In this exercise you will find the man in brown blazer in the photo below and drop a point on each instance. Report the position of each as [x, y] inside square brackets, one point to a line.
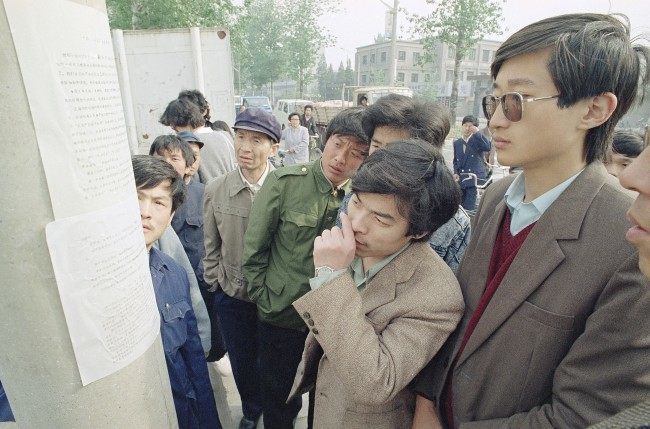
[556, 331]
[376, 319]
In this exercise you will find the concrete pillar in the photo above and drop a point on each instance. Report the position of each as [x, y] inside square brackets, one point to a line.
[37, 364]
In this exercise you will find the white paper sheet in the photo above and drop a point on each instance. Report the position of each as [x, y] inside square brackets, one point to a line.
[96, 243]
[109, 303]
[66, 58]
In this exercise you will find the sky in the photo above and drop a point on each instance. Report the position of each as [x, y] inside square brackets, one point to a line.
[357, 22]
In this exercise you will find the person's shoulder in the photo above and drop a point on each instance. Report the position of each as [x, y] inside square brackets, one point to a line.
[422, 271]
[291, 170]
[196, 186]
[222, 180]
[160, 257]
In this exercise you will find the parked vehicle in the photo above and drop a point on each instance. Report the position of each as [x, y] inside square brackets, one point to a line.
[324, 111]
[260, 101]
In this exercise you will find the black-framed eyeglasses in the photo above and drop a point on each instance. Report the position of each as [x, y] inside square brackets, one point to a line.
[512, 104]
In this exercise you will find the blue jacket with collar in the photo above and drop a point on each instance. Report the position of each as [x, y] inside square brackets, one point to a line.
[186, 364]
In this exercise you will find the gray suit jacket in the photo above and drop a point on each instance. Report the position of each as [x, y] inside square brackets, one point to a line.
[367, 346]
[565, 340]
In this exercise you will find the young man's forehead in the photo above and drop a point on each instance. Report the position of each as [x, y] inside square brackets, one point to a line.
[161, 190]
[352, 140]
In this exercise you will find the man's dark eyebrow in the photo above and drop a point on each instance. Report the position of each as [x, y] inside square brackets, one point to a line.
[380, 214]
[518, 81]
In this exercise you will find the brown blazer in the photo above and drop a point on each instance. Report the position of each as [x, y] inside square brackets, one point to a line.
[565, 340]
[375, 341]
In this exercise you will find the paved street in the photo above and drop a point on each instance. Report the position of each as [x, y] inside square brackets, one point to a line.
[229, 405]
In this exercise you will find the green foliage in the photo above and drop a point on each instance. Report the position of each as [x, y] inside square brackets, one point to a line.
[145, 14]
[461, 24]
[270, 39]
[304, 37]
[261, 42]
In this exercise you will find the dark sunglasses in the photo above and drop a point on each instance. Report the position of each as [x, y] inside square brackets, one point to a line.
[512, 104]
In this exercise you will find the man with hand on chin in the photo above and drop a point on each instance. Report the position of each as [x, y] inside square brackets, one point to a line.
[382, 301]
[296, 203]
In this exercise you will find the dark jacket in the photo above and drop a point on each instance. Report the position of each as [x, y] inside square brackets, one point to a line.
[469, 157]
[188, 225]
[186, 364]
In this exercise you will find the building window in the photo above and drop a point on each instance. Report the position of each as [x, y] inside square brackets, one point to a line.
[400, 77]
[414, 77]
[364, 78]
[449, 75]
[427, 77]
[486, 56]
[416, 57]
[383, 57]
[401, 55]
[451, 53]
[471, 55]
[372, 58]
[364, 61]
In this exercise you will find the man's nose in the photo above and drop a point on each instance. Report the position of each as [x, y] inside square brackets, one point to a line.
[341, 156]
[357, 222]
[145, 209]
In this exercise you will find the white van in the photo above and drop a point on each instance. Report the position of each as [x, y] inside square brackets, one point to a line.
[285, 106]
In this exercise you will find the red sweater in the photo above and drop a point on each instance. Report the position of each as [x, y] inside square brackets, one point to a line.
[505, 249]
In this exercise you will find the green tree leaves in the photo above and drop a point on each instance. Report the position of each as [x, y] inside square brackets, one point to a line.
[461, 24]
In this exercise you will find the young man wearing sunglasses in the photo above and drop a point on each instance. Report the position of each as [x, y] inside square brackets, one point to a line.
[556, 332]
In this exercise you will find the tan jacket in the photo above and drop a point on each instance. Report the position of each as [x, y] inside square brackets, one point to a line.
[226, 207]
[375, 341]
[565, 340]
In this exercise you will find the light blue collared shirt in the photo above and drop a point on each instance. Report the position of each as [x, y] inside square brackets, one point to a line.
[523, 214]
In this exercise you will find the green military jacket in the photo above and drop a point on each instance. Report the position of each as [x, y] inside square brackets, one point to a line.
[293, 207]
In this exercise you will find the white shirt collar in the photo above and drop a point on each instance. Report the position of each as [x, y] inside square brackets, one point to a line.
[254, 187]
[523, 214]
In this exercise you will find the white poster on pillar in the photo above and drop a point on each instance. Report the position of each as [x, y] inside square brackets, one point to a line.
[96, 243]
[107, 296]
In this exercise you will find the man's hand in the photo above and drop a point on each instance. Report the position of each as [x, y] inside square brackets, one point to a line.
[335, 247]
[456, 177]
[473, 128]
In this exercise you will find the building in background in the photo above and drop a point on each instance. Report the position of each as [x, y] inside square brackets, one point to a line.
[434, 79]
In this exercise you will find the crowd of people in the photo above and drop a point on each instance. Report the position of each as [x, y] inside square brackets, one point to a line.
[358, 279]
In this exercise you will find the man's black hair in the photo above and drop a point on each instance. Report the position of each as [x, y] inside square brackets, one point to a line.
[221, 126]
[182, 113]
[627, 143]
[470, 118]
[292, 114]
[195, 96]
[348, 123]
[150, 172]
[171, 143]
[307, 106]
[415, 174]
[422, 119]
[591, 54]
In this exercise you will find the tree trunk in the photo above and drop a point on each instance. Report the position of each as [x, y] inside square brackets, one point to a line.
[453, 99]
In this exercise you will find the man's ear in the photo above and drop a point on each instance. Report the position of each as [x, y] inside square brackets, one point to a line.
[600, 109]
[418, 236]
[274, 148]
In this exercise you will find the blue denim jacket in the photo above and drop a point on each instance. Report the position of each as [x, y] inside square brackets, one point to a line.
[5, 410]
[188, 225]
[186, 364]
[449, 241]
